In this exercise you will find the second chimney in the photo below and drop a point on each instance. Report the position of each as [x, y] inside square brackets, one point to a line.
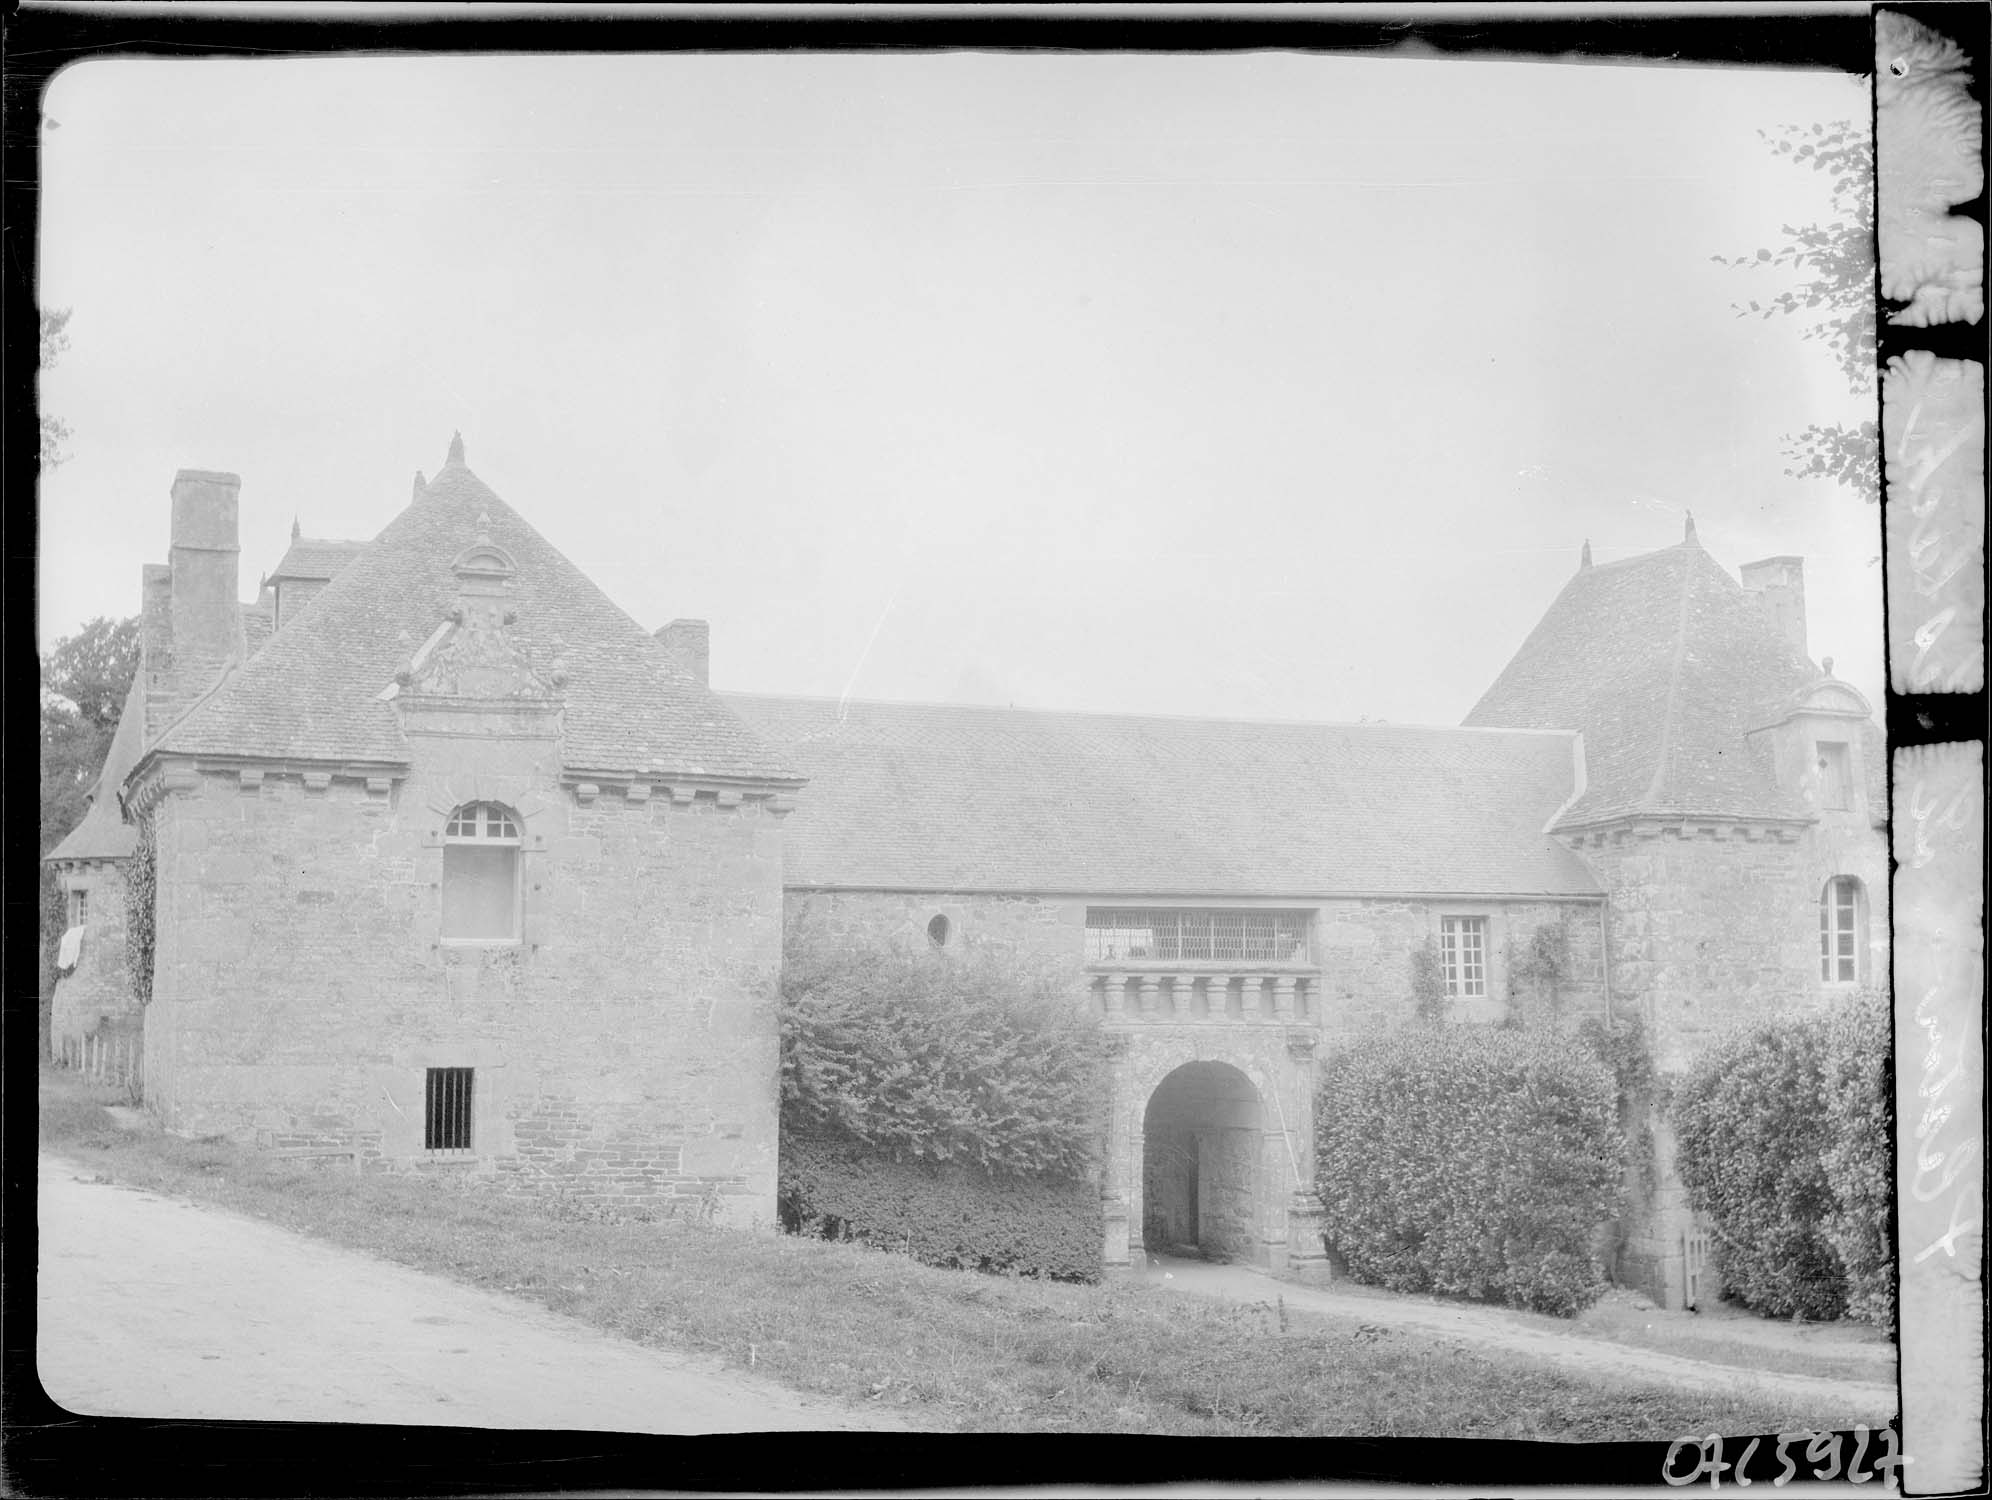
[206, 548]
[689, 644]
[1780, 583]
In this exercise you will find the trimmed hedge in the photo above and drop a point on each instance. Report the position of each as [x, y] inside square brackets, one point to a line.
[1860, 1099]
[950, 1216]
[946, 1105]
[972, 1057]
[1750, 1119]
[1786, 1147]
[1471, 1162]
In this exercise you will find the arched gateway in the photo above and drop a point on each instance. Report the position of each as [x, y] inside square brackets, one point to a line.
[1209, 1143]
[1202, 1137]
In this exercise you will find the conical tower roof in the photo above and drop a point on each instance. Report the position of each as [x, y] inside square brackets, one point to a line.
[1665, 664]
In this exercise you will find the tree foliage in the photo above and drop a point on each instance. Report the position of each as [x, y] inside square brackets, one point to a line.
[1834, 292]
[967, 1057]
[54, 344]
[84, 680]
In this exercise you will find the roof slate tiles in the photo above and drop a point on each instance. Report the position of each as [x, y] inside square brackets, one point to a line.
[315, 558]
[1665, 663]
[312, 691]
[915, 796]
[103, 833]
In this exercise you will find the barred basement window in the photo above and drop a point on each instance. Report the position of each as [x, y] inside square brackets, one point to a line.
[446, 1113]
[1842, 931]
[1191, 934]
[481, 874]
[1463, 956]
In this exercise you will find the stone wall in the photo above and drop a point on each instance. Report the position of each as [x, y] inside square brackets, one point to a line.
[1254, 1179]
[625, 1050]
[95, 995]
[1364, 944]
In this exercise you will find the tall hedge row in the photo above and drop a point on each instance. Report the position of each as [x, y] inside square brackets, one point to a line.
[942, 1215]
[1860, 1168]
[1784, 1147]
[944, 1103]
[1472, 1162]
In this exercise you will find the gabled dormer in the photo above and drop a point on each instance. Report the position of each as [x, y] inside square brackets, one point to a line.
[1820, 740]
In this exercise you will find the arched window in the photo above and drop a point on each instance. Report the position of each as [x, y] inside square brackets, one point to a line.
[937, 932]
[481, 874]
[1842, 931]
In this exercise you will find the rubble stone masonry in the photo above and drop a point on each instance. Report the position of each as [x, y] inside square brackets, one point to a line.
[625, 1049]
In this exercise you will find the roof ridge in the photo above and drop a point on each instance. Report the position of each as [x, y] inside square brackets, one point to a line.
[1105, 713]
[1640, 557]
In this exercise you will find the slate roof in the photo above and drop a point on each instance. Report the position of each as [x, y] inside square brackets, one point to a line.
[915, 796]
[257, 621]
[315, 557]
[103, 833]
[1664, 662]
[312, 691]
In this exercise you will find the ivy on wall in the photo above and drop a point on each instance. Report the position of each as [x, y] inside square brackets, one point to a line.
[141, 890]
[1536, 971]
[1428, 982]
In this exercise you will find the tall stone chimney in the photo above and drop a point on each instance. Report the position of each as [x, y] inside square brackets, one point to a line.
[689, 643]
[193, 619]
[1779, 582]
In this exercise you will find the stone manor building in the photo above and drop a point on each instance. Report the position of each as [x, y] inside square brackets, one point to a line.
[454, 866]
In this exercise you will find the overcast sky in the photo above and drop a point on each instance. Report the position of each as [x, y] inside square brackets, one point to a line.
[1265, 385]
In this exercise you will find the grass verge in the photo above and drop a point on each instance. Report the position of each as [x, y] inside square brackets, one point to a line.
[947, 1350]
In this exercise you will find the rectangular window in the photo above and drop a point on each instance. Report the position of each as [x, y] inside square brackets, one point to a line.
[1197, 935]
[1836, 783]
[480, 891]
[1463, 956]
[79, 908]
[447, 1110]
[1839, 926]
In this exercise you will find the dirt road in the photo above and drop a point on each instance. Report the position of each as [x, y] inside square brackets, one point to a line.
[1863, 1400]
[152, 1307]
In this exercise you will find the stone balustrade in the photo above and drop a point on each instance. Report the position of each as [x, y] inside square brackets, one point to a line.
[1209, 994]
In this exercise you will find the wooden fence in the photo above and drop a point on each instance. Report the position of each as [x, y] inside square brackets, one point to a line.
[111, 1057]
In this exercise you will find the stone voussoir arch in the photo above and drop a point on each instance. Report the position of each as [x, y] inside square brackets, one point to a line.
[1148, 1074]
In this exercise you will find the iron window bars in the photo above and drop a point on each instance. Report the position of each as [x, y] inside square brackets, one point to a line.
[446, 1115]
[1197, 934]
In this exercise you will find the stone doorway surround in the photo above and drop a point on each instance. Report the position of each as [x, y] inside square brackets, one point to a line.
[1230, 1112]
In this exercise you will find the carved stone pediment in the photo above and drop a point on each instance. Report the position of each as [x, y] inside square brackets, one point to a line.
[473, 655]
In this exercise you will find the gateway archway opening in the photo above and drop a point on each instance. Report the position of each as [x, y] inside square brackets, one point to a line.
[1200, 1164]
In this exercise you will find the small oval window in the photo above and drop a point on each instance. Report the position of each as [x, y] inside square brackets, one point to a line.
[937, 932]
